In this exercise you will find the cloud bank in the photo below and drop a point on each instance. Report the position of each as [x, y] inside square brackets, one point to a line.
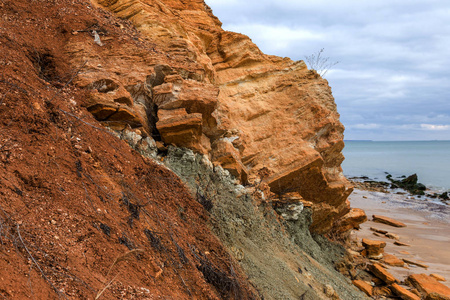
[393, 77]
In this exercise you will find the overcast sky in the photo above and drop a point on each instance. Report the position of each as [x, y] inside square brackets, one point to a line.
[392, 81]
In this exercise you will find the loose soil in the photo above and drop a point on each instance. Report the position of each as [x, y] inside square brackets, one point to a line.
[426, 232]
[80, 211]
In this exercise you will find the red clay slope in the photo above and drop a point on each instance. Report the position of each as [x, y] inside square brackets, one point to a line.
[79, 210]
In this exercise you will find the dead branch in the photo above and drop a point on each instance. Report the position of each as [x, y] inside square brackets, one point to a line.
[70, 80]
[37, 265]
[84, 122]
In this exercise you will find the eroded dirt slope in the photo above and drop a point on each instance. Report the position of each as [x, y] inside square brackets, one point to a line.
[79, 210]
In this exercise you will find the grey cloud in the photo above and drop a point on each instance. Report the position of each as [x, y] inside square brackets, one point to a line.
[394, 70]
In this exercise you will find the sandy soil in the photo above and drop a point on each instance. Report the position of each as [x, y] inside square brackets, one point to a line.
[427, 231]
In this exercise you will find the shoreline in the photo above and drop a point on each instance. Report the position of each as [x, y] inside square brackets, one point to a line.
[427, 230]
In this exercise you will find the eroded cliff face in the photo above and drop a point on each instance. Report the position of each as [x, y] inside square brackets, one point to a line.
[191, 84]
[83, 215]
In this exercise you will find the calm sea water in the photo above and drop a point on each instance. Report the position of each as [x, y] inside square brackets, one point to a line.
[430, 160]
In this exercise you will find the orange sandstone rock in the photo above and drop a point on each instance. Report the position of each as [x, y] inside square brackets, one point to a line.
[403, 293]
[437, 277]
[427, 285]
[436, 296]
[401, 244]
[381, 273]
[374, 249]
[392, 260]
[278, 115]
[378, 230]
[410, 262]
[351, 220]
[388, 221]
[364, 286]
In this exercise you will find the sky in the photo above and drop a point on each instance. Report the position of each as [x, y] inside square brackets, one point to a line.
[392, 79]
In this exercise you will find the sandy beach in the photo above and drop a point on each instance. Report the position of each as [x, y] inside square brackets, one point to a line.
[427, 231]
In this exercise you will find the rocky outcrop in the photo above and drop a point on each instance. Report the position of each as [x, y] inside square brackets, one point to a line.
[282, 265]
[382, 274]
[374, 249]
[428, 285]
[187, 82]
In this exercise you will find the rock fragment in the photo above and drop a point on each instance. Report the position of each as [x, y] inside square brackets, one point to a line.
[381, 273]
[428, 285]
[374, 249]
[410, 262]
[403, 293]
[364, 286]
[437, 277]
[392, 260]
[401, 244]
[378, 230]
[392, 236]
[387, 221]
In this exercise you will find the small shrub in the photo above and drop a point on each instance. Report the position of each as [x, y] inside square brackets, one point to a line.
[319, 63]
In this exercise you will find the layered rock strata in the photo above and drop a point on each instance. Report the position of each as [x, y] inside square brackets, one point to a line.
[187, 82]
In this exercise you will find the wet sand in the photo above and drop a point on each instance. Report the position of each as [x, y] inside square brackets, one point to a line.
[427, 231]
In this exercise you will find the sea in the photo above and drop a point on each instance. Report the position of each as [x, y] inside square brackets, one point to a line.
[430, 160]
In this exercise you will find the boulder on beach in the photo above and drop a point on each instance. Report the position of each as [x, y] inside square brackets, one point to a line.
[403, 293]
[401, 244]
[351, 220]
[381, 273]
[374, 249]
[409, 183]
[410, 262]
[393, 260]
[428, 285]
[387, 221]
[364, 286]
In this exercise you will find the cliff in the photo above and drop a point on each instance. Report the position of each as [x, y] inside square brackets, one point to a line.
[263, 118]
[96, 96]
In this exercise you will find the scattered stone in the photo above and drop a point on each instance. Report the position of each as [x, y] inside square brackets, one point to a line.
[436, 296]
[427, 285]
[392, 236]
[415, 292]
[374, 249]
[381, 273]
[438, 277]
[403, 293]
[392, 260]
[388, 221]
[401, 244]
[378, 234]
[382, 291]
[290, 212]
[353, 253]
[364, 286]
[444, 196]
[410, 262]
[160, 146]
[378, 230]
[377, 281]
[352, 220]
[410, 184]
[329, 291]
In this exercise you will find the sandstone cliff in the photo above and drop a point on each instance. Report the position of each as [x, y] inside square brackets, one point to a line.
[189, 83]
[84, 216]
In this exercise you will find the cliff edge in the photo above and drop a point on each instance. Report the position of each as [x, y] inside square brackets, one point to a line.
[191, 84]
[147, 153]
